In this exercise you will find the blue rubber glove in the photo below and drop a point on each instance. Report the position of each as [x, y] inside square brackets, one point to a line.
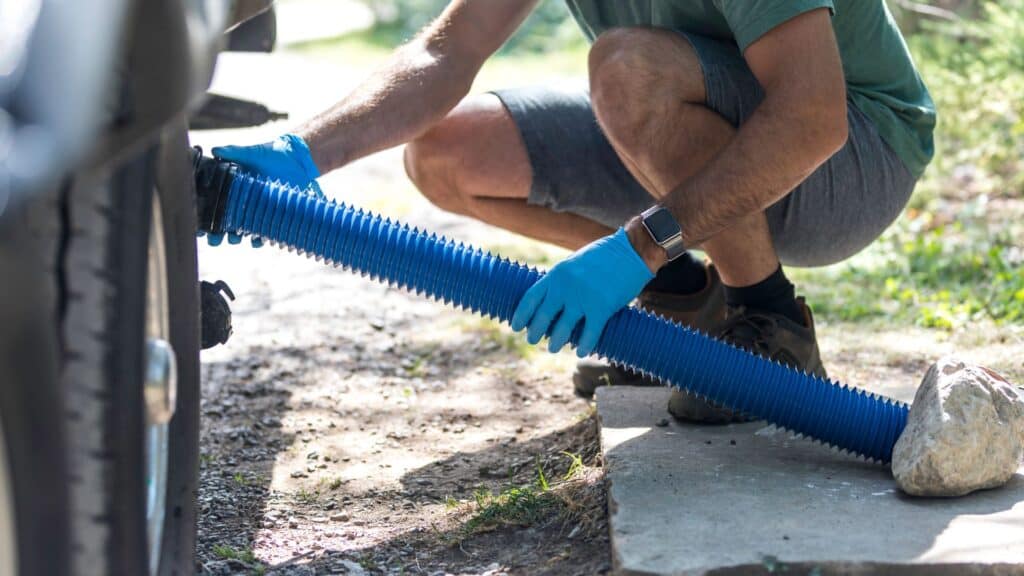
[287, 159]
[589, 286]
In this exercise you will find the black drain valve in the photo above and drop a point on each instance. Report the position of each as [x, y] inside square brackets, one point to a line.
[216, 312]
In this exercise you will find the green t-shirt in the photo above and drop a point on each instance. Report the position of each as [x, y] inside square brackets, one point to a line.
[880, 75]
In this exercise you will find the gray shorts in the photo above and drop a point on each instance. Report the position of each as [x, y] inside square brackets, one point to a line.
[837, 211]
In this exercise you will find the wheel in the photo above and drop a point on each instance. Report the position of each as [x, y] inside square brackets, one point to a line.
[115, 256]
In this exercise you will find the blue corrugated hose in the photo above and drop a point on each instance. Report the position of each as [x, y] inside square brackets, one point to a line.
[844, 417]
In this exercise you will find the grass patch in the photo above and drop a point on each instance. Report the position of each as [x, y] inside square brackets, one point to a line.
[576, 466]
[572, 499]
[935, 275]
[513, 506]
[331, 484]
[307, 497]
[516, 506]
[246, 556]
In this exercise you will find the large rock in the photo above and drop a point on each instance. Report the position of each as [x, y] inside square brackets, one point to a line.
[965, 432]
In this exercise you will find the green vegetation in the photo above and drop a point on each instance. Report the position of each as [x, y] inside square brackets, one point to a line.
[955, 256]
[936, 276]
[331, 483]
[547, 29]
[521, 505]
[247, 556]
[516, 506]
[576, 465]
[304, 496]
[974, 68]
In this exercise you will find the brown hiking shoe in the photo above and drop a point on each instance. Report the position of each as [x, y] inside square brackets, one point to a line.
[769, 335]
[703, 311]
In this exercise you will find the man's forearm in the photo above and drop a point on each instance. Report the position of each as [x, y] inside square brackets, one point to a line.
[417, 88]
[423, 81]
[775, 150]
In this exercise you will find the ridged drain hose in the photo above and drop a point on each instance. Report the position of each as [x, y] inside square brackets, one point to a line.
[844, 417]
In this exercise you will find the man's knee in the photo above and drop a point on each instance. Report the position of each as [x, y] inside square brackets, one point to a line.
[635, 72]
[430, 163]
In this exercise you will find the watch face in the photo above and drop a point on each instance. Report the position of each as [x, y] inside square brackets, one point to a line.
[662, 225]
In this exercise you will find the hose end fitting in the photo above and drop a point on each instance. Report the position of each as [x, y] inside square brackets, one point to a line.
[213, 179]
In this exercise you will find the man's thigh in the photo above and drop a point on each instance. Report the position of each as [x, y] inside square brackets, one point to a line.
[476, 151]
[574, 167]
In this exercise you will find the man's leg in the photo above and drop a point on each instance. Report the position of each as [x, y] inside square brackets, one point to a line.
[474, 163]
[648, 92]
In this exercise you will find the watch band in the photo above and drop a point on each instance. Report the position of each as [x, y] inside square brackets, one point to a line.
[664, 230]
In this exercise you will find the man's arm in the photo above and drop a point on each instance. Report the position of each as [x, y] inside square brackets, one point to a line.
[421, 83]
[799, 125]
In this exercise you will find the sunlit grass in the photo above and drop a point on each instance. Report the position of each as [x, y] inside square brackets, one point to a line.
[935, 276]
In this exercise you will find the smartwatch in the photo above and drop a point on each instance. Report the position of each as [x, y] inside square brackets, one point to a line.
[664, 230]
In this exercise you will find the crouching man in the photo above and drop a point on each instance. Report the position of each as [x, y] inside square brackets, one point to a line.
[762, 132]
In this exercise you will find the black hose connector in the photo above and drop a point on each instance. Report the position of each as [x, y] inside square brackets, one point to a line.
[213, 182]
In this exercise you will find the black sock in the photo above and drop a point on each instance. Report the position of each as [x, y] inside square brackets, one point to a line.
[774, 294]
[684, 275]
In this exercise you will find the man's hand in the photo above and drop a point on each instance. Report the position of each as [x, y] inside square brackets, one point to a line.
[286, 159]
[589, 286]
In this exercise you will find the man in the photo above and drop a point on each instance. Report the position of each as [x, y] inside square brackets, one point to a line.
[760, 131]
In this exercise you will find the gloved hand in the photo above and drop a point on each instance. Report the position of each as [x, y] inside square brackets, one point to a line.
[591, 285]
[287, 159]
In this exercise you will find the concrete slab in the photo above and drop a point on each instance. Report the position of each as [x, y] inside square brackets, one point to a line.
[751, 499]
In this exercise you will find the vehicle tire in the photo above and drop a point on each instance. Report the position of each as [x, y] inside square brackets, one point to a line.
[94, 249]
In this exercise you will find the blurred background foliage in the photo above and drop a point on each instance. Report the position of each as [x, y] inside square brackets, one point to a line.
[547, 29]
[955, 257]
